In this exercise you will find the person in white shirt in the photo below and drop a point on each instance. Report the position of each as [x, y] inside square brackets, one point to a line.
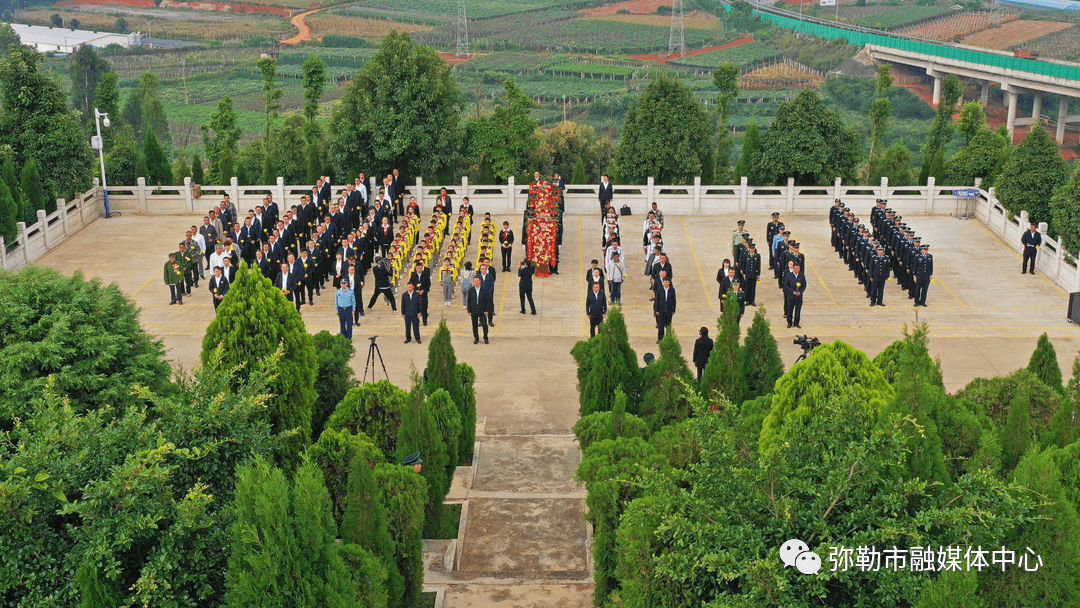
[216, 258]
[616, 274]
[199, 240]
[611, 250]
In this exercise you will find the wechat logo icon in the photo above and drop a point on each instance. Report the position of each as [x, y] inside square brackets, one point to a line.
[795, 553]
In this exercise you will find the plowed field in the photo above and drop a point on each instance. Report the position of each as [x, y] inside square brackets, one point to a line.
[1014, 32]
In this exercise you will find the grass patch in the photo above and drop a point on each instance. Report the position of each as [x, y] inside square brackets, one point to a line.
[451, 517]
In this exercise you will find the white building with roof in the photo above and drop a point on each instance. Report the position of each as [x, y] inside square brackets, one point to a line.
[66, 40]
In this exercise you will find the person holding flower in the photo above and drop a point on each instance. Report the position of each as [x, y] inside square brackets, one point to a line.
[174, 278]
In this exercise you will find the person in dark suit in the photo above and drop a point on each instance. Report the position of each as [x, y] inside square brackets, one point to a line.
[264, 265]
[924, 274]
[399, 193]
[751, 271]
[880, 266]
[525, 285]
[324, 191]
[305, 276]
[479, 305]
[487, 279]
[606, 191]
[595, 307]
[725, 285]
[421, 279]
[410, 311]
[385, 235]
[286, 282]
[794, 287]
[228, 271]
[356, 281]
[664, 308]
[506, 241]
[1031, 241]
[702, 349]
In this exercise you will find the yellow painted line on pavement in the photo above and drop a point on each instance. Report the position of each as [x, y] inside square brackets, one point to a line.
[697, 263]
[147, 282]
[822, 279]
[951, 292]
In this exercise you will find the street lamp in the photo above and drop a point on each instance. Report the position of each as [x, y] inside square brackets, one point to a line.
[97, 143]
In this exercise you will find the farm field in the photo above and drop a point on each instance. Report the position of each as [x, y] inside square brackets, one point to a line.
[898, 16]
[476, 9]
[698, 21]
[636, 7]
[954, 26]
[781, 75]
[162, 23]
[741, 55]
[325, 23]
[1014, 33]
[1063, 44]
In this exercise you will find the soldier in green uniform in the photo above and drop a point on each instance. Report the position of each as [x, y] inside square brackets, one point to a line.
[174, 278]
[186, 261]
[737, 238]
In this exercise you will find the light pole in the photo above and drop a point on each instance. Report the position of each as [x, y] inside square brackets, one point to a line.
[97, 143]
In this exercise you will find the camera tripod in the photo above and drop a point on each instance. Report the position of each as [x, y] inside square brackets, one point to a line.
[373, 351]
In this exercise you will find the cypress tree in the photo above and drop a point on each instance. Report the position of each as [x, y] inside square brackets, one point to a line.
[609, 425]
[404, 493]
[442, 373]
[240, 325]
[1044, 363]
[665, 383]
[375, 410]
[724, 371]
[920, 397]
[607, 373]
[94, 592]
[197, 175]
[365, 524]
[158, 170]
[11, 178]
[1065, 425]
[226, 168]
[420, 432]
[751, 143]
[284, 551]
[951, 589]
[9, 214]
[1016, 436]
[615, 327]
[334, 454]
[180, 169]
[579, 176]
[313, 155]
[467, 375]
[33, 191]
[761, 358]
[448, 421]
[335, 377]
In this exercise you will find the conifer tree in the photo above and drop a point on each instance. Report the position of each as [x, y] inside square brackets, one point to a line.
[375, 410]
[1044, 363]
[334, 378]
[1065, 425]
[1016, 435]
[609, 425]
[665, 383]
[951, 589]
[751, 143]
[181, 169]
[404, 493]
[158, 170]
[94, 592]
[724, 371]
[761, 358]
[365, 524]
[240, 325]
[197, 175]
[467, 375]
[420, 432]
[9, 214]
[1053, 535]
[33, 191]
[284, 551]
[579, 176]
[607, 373]
[11, 178]
[448, 420]
[920, 398]
[334, 454]
[442, 372]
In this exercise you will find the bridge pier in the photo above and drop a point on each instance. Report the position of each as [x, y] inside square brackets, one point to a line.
[985, 93]
[1063, 114]
[937, 88]
[1010, 122]
[1036, 109]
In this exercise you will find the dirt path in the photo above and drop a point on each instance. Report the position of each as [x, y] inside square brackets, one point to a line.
[304, 33]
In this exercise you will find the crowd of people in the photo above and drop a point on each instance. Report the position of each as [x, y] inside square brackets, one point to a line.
[887, 247]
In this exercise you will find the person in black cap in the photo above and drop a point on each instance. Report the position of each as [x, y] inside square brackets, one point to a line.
[924, 275]
[737, 237]
[702, 349]
[1031, 241]
[879, 275]
[774, 228]
[413, 460]
[751, 271]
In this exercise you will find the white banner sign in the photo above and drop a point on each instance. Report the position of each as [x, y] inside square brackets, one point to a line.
[828, 2]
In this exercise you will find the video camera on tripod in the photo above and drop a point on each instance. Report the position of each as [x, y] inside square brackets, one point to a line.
[807, 343]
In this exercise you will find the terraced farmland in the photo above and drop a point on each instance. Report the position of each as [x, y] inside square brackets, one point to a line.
[956, 26]
[741, 55]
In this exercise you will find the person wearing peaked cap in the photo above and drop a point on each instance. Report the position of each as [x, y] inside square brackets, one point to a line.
[775, 227]
[413, 460]
[1031, 242]
[924, 274]
[879, 275]
[737, 237]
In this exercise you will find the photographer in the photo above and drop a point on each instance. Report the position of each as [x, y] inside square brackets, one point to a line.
[525, 285]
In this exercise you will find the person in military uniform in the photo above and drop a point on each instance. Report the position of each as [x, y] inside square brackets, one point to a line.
[737, 237]
[774, 228]
[187, 265]
[174, 278]
[780, 251]
[880, 266]
[924, 275]
[751, 271]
